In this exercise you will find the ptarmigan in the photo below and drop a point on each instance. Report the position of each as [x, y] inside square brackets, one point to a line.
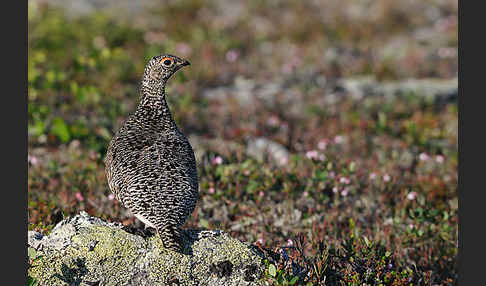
[150, 165]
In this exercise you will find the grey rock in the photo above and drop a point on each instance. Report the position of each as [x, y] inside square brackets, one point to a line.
[262, 148]
[248, 92]
[242, 90]
[124, 8]
[84, 250]
[259, 148]
[360, 87]
[406, 159]
[202, 145]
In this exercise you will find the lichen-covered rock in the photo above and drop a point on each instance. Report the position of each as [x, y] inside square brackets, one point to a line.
[84, 250]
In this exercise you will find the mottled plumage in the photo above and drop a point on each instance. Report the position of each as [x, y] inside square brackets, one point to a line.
[150, 165]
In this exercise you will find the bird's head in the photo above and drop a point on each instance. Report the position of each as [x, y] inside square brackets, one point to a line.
[160, 68]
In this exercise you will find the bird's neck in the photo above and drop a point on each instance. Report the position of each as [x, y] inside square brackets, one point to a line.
[153, 108]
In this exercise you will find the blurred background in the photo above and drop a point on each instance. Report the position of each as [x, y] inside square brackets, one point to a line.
[334, 120]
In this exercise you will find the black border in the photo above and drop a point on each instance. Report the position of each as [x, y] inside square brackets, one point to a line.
[461, 272]
[14, 140]
[471, 199]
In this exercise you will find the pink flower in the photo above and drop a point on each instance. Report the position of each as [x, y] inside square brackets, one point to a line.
[335, 190]
[322, 144]
[386, 178]
[290, 242]
[284, 160]
[411, 226]
[444, 24]
[211, 190]
[246, 172]
[338, 139]
[439, 159]
[447, 52]
[423, 157]
[344, 180]
[332, 174]
[290, 66]
[32, 160]
[261, 193]
[111, 197]
[287, 68]
[345, 192]
[322, 157]
[412, 195]
[373, 176]
[217, 160]
[305, 194]
[273, 121]
[79, 197]
[232, 56]
[311, 154]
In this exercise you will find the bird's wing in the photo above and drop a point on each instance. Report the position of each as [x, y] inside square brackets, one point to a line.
[123, 157]
[167, 177]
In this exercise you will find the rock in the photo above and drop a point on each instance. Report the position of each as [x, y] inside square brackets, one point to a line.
[262, 148]
[84, 250]
[242, 91]
[124, 8]
[259, 148]
[439, 89]
[202, 145]
[248, 92]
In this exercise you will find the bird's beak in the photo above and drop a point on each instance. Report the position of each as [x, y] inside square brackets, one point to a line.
[186, 63]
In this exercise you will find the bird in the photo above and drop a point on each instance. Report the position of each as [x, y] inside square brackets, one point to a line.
[149, 164]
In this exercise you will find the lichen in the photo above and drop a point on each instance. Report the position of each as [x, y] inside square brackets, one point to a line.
[99, 252]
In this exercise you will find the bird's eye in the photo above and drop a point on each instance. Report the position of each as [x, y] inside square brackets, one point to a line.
[167, 62]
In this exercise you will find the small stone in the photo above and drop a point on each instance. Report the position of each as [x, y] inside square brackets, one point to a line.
[262, 148]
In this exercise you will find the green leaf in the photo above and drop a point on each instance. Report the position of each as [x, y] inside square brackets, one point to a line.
[31, 281]
[445, 215]
[294, 280]
[60, 129]
[32, 252]
[272, 270]
[252, 186]
[37, 128]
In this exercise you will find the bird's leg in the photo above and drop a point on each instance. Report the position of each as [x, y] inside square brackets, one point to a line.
[171, 237]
